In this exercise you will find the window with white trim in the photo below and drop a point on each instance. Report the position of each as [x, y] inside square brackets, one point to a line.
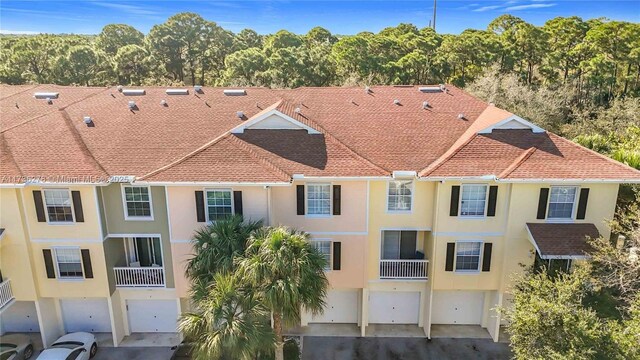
[318, 199]
[69, 263]
[474, 200]
[561, 202]
[59, 206]
[399, 195]
[137, 201]
[324, 247]
[219, 204]
[468, 256]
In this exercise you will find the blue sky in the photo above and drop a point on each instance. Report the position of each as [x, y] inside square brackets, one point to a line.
[339, 16]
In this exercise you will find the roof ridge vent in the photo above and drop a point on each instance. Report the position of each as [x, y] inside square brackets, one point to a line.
[431, 88]
[133, 92]
[46, 95]
[177, 91]
[234, 92]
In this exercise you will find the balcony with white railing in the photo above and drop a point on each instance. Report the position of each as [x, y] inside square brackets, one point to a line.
[139, 277]
[6, 295]
[404, 269]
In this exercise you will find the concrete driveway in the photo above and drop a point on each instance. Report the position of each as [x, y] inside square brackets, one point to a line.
[133, 353]
[345, 348]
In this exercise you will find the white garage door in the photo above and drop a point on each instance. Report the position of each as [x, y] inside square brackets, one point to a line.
[91, 315]
[342, 307]
[457, 307]
[21, 316]
[394, 307]
[153, 315]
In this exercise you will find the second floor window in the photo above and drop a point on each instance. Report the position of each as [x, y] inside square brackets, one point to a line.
[58, 203]
[318, 199]
[219, 204]
[468, 256]
[324, 247]
[474, 199]
[399, 196]
[561, 201]
[137, 201]
[69, 263]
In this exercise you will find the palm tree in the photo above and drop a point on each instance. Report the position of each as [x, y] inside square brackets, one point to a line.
[229, 322]
[288, 273]
[215, 246]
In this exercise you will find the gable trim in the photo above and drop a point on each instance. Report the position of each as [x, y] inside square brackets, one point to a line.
[261, 117]
[514, 118]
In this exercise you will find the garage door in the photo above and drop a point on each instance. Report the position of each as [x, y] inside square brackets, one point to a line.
[21, 316]
[153, 315]
[457, 307]
[91, 315]
[394, 307]
[342, 307]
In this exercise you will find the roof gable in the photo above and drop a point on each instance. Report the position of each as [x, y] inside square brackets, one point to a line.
[513, 122]
[272, 118]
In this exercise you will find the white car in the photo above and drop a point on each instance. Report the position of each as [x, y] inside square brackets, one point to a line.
[73, 346]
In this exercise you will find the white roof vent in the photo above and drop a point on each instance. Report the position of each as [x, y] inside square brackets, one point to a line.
[434, 88]
[119, 87]
[240, 114]
[367, 89]
[442, 87]
[461, 116]
[425, 105]
[133, 92]
[163, 102]
[234, 92]
[132, 105]
[49, 101]
[45, 95]
[297, 110]
[177, 91]
[197, 88]
[87, 120]
[396, 101]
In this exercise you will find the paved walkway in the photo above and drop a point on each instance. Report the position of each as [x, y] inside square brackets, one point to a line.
[344, 348]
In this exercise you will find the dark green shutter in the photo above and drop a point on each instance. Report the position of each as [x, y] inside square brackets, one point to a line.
[542, 203]
[237, 202]
[336, 199]
[337, 255]
[486, 257]
[77, 206]
[455, 200]
[493, 198]
[86, 263]
[48, 263]
[451, 250]
[37, 200]
[300, 199]
[200, 206]
[582, 204]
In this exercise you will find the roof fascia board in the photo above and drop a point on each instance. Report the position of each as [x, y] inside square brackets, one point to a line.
[534, 128]
[206, 183]
[529, 181]
[341, 178]
[242, 127]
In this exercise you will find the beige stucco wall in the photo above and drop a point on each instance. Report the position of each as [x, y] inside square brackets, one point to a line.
[181, 252]
[87, 230]
[352, 218]
[182, 208]
[14, 247]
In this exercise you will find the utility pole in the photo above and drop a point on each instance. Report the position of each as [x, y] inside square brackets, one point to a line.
[434, 15]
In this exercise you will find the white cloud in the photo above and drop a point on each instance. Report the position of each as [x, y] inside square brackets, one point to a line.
[487, 8]
[529, 6]
[18, 32]
[130, 9]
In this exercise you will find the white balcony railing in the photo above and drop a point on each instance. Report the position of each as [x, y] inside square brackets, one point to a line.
[139, 276]
[404, 269]
[6, 295]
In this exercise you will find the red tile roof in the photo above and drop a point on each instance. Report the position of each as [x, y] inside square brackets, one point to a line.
[362, 133]
[562, 240]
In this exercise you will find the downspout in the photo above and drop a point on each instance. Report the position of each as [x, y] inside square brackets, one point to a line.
[269, 202]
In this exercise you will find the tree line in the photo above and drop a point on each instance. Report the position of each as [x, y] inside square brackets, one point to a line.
[599, 59]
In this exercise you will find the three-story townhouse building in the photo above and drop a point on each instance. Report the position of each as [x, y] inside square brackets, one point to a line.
[424, 200]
